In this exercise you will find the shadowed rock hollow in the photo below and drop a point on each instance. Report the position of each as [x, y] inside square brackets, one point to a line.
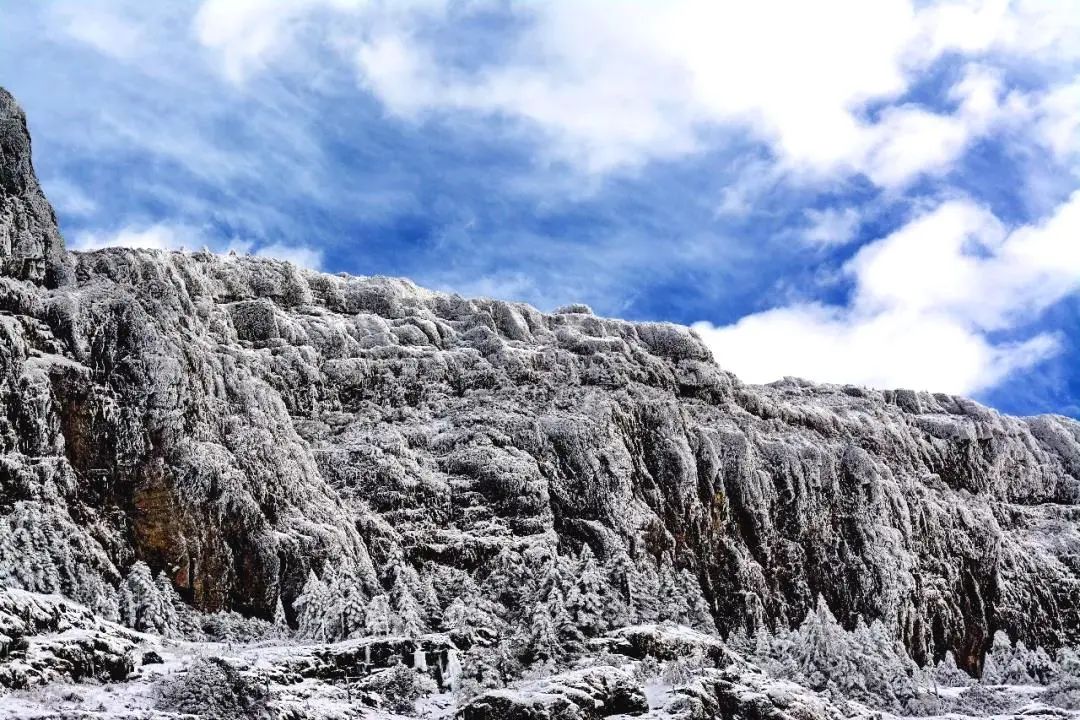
[236, 422]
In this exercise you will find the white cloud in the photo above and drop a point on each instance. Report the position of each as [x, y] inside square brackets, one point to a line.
[832, 226]
[160, 236]
[926, 298]
[1057, 121]
[248, 35]
[616, 85]
[107, 31]
[165, 236]
[299, 255]
[886, 350]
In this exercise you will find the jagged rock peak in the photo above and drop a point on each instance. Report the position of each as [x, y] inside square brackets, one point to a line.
[31, 247]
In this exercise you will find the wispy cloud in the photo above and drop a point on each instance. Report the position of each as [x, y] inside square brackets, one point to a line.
[162, 236]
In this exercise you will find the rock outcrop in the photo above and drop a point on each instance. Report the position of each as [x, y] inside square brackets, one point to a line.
[30, 244]
[236, 422]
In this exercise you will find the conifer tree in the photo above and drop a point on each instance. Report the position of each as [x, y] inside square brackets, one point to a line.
[378, 618]
[948, 674]
[671, 602]
[408, 618]
[169, 606]
[698, 615]
[311, 608]
[142, 605]
[586, 603]
[997, 660]
[623, 576]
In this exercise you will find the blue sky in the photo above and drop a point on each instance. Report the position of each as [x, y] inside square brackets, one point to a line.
[880, 193]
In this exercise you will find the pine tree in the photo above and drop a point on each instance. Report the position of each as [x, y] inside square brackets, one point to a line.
[997, 660]
[698, 614]
[354, 612]
[948, 674]
[168, 608]
[281, 620]
[142, 605]
[508, 579]
[647, 604]
[311, 608]
[408, 616]
[1016, 667]
[333, 620]
[587, 604]
[541, 644]
[472, 615]
[672, 605]
[623, 576]
[378, 618]
[819, 650]
[740, 642]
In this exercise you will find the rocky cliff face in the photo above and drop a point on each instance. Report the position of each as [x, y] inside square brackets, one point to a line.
[30, 243]
[236, 422]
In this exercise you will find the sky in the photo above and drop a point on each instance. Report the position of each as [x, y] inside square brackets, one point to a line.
[882, 193]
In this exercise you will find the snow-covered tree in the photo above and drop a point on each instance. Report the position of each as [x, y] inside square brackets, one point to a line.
[997, 660]
[819, 649]
[472, 615]
[646, 602]
[867, 664]
[508, 578]
[698, 615]
[671, 601]
[280, 621]
[622, 575]
[1010, 664]
[587, 602]
[169, 607]
[948, 674]
[379, 617]
[408, 617]
[539, 639]
[142, 604]
[312, 607]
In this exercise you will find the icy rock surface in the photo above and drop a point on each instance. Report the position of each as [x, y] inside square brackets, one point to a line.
[30, 244]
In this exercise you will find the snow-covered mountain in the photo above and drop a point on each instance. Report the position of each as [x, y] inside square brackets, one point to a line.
[229, 449]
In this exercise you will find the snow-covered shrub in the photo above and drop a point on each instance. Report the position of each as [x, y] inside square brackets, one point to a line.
[400, 687]
[682, 670]
[1064, 692]
[1008, 664]
[211, 688]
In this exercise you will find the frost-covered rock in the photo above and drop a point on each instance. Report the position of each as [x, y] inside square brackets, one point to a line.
[588, 694]
[46, 639]
[30, 244]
